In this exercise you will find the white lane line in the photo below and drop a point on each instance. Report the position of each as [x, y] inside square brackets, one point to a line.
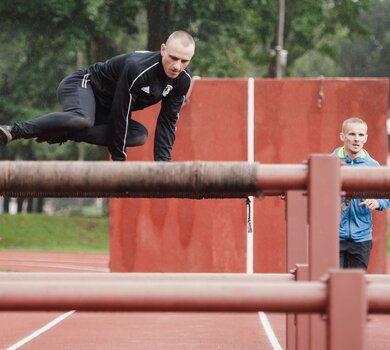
[40, 330]
[269, 331]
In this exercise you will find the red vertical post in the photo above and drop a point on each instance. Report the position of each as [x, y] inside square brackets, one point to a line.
[296, 229]
[324, 214]
[297, 247]
[347, 312]
[302, 321]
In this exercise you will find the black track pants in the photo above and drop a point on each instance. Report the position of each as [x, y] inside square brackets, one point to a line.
[77, 121]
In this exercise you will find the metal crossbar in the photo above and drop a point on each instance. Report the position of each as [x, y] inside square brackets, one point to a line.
[175, 179]
[176, 292]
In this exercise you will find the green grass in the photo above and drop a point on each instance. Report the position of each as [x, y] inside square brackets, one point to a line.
[37, 232]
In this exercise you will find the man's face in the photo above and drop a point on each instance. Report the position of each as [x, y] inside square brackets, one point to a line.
[354, 137]
[175, 57]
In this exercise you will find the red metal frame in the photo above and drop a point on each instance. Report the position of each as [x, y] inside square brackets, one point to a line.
[149, 291]
[296, 250]
[323, 193]
[302, 321]
[343, 316]
[347, 310]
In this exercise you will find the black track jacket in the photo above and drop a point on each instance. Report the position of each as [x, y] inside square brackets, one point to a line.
[134, 81]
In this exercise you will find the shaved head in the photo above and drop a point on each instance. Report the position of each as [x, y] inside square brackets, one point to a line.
[183, 37]
[355, 120]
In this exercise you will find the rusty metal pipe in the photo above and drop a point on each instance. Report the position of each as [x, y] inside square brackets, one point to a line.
[175, 179]
[128, 179]
[148, 179]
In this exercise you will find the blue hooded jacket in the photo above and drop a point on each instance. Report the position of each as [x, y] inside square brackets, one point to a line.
[355, 220]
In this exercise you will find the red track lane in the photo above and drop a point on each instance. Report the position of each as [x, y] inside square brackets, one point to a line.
[141, 331]
[52, 262]
[174, 331]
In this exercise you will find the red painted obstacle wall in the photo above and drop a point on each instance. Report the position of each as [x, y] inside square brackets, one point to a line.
[175, 235]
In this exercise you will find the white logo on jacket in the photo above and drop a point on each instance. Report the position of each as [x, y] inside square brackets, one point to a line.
[167, 90]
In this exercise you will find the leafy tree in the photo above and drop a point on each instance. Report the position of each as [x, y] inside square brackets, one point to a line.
[214, 26]
[364, 55]
[50, 41]
[45, 42]
[308, 23]
[369, 55]
[236, 38]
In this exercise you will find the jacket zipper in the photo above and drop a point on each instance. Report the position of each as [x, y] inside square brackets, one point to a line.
[349, 216]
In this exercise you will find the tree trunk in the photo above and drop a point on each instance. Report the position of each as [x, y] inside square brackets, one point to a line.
[159, 15]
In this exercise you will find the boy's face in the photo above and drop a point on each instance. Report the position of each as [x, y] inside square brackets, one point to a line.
[354, 137]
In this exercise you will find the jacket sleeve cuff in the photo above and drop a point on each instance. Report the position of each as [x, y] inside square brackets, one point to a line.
[116, 155]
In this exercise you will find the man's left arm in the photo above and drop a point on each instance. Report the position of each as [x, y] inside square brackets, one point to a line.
[383, 204]
[164, 137]
[376, 204]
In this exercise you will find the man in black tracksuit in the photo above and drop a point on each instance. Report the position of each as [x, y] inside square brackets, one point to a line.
[98, 101]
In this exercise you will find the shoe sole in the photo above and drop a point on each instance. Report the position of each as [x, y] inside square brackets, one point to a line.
[5, 137]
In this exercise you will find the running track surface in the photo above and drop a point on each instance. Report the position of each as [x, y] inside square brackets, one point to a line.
[141, 331]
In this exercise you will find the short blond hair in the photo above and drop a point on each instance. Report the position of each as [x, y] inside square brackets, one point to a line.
[356, 120]
[185, 38]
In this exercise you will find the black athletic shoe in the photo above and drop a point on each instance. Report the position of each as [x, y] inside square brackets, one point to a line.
[5, 135]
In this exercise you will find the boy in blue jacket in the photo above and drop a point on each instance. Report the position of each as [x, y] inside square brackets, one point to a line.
[355, 230]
